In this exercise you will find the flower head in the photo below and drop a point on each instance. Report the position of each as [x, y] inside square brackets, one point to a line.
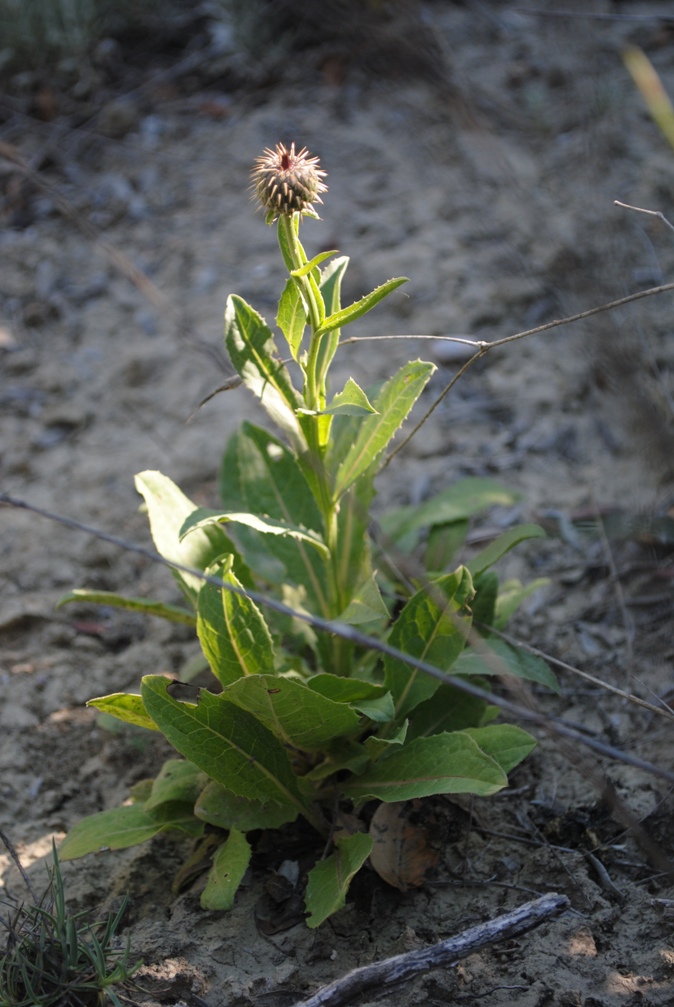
[287, 182]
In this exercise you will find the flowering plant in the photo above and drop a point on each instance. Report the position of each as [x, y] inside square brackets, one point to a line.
[299, 722]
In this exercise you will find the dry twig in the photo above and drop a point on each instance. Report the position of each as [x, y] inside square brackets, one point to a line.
[442, 955]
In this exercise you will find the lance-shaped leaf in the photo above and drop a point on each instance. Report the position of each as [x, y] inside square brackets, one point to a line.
[441, 764]
[432, 629]
[456, 503]
[449, 709]
[511, 595]
[313, 263]
[351, 401]
[503, 544]
[373, 701]
[329, 880]
[500, 658]
[167, 508]
[126, 706]
[367, 609]
[220, 807]
[232, 630]
[227, 743]
[298, 716]
[272, 483]
[505, 743]
[253, 353]
[361, 307]
[230, 863]
[393, 404]
[178, 782]
[330, 287]
[120, 828]
[204, 517]
[291, 317]
[174, 613]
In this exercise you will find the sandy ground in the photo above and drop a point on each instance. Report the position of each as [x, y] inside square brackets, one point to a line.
[493, 192]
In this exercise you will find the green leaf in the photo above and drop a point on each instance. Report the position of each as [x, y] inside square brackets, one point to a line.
[393, 404]
[431, 629]
[344, 756]
[442, 545]
[292, 318]
[504, 743]
[456, 503]
[174, 613]
[204, 517]
[351, 401]
[483, 605]
[230, 863]
[449, 709]
[298, 716]
[316, 261]
[232, 630]
[126, 706]
[253, 353]
[376, 746]
[441, 764]
[329, 880]
[178, 781]
[227, 743]
[503, 544]
[500, 658]
[373, 701]
[273, 483]
[367, 609]
[330, 287]
[127, 826]
[361, 307]
[511, 596]
[220, 807]
[168, 507]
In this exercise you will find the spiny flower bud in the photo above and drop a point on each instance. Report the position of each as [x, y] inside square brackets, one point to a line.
[287, 182]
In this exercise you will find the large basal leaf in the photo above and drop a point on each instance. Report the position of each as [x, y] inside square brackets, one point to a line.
[232, 630]
[329, 880]
[220, 807]
[393, 404]
[126, 706]
[458, 502]
[178, 781]
[298, 716]
[449, 709]
[204, 517]
[431, 627]
[252, 351]
[127, 826]
[503, 544]
[500, 658]
[361, 307]
[227, 743]
[174, 613]
[168, 507]
[505, 743]
[230, 863]
[441, 764]
[292, 318]
[373, 701]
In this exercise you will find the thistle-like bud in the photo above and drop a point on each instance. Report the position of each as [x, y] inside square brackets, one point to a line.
[287, 182]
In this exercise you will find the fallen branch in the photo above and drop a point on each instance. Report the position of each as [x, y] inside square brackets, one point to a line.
[444, 954]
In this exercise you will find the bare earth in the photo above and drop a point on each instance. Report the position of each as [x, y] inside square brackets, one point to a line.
[495, 196]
